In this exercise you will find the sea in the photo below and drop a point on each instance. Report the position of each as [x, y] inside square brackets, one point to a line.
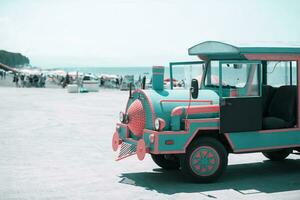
[121, 71]
[279, 75]
[138, 72]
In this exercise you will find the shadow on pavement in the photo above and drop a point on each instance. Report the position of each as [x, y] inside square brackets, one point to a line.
[266, 176]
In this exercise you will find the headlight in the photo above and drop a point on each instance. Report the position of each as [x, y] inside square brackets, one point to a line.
[159, 124]
[121, 116]
[156, 124]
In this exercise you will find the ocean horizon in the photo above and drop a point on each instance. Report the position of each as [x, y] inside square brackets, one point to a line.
[121, 71]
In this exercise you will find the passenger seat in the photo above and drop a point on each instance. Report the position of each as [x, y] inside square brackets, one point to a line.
[282, 109]
[267, 95]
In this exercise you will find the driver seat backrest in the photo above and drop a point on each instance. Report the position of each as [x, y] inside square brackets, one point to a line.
[267, 95]
[284, 104]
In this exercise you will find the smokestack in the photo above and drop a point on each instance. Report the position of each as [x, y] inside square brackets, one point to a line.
[158, 77]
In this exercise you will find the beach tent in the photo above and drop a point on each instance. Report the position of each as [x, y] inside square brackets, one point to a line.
[59, 72]
[74, 73]
[30, 71]
[108, 76]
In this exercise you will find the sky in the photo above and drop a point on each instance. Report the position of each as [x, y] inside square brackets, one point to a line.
[138, 32]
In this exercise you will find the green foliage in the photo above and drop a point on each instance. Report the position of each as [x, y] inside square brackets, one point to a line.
[13, 59]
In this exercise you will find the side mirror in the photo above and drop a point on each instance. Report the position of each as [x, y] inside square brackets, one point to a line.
[194, 88]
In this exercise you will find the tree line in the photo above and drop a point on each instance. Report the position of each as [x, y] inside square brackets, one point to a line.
[13, 59]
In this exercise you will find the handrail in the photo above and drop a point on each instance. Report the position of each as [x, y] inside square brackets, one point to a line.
[195, 109]
[185, 101]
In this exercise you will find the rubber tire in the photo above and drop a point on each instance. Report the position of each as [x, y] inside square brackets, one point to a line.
[205, 141]
[162, 162]
[278, 154]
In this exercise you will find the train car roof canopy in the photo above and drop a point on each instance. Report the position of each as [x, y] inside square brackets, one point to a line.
[219, 50]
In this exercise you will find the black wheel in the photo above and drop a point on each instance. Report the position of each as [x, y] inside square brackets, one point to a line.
[205, 160]
[278, 154]
[165, 161]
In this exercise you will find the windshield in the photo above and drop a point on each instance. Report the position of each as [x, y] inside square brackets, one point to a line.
[238, 78]
[233, 75]
[183, 73]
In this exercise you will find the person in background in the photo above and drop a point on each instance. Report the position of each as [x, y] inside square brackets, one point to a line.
[35, 80]
[117, 82]
[40, 83]
[22, 77]
[42, 80]
[30, 80]
[101, 81]
[16, 79]
[66, 81]
[62, 80]
[27, 81]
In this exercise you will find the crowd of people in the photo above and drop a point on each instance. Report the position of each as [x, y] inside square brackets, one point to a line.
[65, 80]
[34, 78]
[31, 80]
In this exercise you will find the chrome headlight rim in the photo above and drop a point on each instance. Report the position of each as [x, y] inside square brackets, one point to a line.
[126, 118]
[157, 124]
[121, 116]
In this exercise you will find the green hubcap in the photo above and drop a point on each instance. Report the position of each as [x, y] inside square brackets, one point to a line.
[204, 161]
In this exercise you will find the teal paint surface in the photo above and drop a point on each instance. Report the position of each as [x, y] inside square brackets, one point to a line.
[163, 109]
[253, 140]
[180, 140]
[122, 132]
[175, 122]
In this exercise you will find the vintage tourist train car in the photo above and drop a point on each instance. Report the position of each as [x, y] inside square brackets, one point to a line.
[236, 100]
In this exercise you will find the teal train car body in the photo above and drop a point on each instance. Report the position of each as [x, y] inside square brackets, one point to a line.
[247, 100]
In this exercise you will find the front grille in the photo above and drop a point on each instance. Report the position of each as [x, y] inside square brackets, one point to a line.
[126, 150]
[137, 118]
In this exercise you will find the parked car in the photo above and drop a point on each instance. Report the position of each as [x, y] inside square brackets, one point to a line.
[90, 83]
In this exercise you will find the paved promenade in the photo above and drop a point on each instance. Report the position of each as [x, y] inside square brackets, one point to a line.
[56, 145]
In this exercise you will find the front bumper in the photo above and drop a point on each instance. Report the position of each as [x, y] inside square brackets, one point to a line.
[153, 142]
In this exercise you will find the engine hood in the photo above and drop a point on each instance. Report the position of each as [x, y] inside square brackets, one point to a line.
[159, 104]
